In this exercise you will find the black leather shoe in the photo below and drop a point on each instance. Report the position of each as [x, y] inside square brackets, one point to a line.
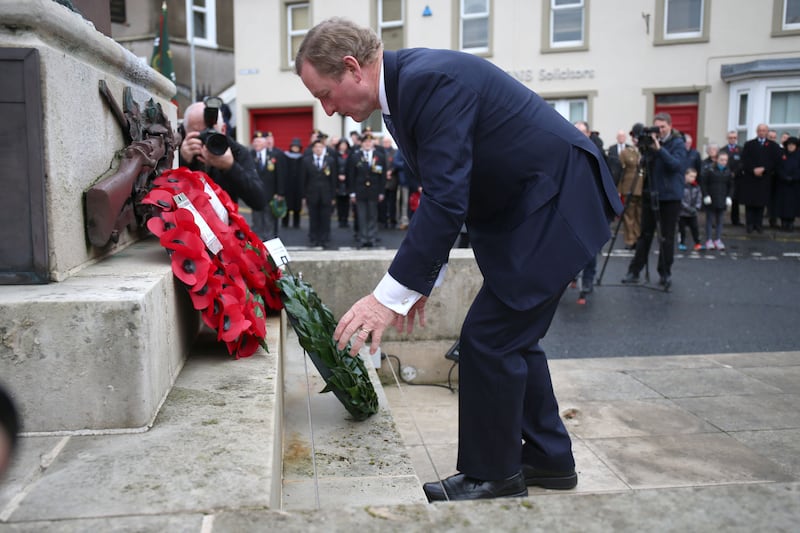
[630, 277]
[666, 282]
[549, 480]
[461, 487]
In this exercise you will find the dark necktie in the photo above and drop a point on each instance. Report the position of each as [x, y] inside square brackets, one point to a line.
[387, 119]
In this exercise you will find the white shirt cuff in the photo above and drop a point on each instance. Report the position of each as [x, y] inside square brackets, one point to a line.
[398, 297]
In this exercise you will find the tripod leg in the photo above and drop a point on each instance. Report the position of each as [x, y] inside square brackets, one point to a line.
[611, 246]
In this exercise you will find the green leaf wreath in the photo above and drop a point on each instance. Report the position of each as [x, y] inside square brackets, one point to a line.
[344, 375]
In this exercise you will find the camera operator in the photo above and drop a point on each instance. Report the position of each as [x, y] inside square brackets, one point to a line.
[207, 147]
[663, 153]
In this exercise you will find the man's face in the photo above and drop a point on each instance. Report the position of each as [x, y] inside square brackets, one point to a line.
[663, 127]
[733, 138]
[761, 131]
[269, 142]
[349, 96]
[258, 143]
[318, 149]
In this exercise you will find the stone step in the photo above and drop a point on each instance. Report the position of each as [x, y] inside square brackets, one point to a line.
[214, 445]
[100, 350]
[356, 463]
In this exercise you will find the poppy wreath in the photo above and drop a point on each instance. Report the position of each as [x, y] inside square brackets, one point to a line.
[232, 288]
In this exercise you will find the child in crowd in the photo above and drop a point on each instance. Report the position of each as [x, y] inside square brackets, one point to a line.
[690, 203]
[716, 183]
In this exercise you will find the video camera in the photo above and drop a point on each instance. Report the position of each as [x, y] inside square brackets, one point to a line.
[216, 142]
[644, 135]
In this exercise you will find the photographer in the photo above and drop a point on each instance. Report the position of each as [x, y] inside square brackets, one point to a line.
[664, 152]
[206, 147]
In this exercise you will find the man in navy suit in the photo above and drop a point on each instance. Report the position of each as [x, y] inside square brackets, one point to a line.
[536, 197]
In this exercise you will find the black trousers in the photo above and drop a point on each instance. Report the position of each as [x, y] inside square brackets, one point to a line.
[666, 215]
[754, 217]
[505, 393]
[691, 223]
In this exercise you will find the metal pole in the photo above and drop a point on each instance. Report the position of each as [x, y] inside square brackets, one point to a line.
[190, 19]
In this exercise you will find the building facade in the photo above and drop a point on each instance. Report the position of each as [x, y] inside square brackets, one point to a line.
[714, 65]
[135, 25]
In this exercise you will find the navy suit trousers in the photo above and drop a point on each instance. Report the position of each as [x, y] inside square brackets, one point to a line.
[508, 412]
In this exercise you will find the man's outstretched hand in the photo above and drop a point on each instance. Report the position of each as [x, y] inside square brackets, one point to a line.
[369, 316]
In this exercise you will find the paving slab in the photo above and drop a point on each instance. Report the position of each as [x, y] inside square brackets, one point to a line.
[744, 360]
[751, 412]
[631, 418]
[779, 446]
[685, 460]
[786, 378]
[587, 385]
[701, 382]
[634, 363]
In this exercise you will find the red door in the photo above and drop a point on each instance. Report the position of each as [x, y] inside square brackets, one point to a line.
[285, 123]
[683, 108]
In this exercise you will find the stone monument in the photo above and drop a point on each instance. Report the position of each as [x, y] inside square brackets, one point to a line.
[91, 339]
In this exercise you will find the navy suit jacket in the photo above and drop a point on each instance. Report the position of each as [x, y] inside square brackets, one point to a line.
[535, 193]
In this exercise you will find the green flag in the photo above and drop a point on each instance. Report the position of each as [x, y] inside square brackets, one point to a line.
[162, 57]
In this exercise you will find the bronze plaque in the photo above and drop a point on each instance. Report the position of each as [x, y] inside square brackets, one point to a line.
[23, 216]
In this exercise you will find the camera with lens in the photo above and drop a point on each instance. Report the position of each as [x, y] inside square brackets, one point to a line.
[216, 142]
[643, 135]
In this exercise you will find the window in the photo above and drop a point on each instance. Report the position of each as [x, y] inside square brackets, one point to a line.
[474, 35]
[564, 25]
[298, 22]
[784, 109]
[572, 109]
[741, 122]
[118, 11]
[786, 18]
[390, 23]
[683, 18]
[791, 14]
[202, 24]
[681, 21]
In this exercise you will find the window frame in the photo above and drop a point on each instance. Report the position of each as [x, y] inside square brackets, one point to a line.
[384, 26]
[547, 45]
[781, 126]
[660, 25]
[556, 101]
[779, 26]
[288, 7]
[483, 50]
[209, 11]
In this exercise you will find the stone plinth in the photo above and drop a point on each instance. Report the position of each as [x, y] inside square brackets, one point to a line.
[81, 137]
[100, 350]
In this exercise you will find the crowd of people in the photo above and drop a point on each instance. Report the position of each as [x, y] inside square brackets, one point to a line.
[666, 185]
[359, 181]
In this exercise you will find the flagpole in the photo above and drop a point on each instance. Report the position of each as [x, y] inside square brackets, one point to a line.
[190, 18]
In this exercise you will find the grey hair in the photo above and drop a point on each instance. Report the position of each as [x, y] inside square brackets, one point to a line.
[327, 43]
